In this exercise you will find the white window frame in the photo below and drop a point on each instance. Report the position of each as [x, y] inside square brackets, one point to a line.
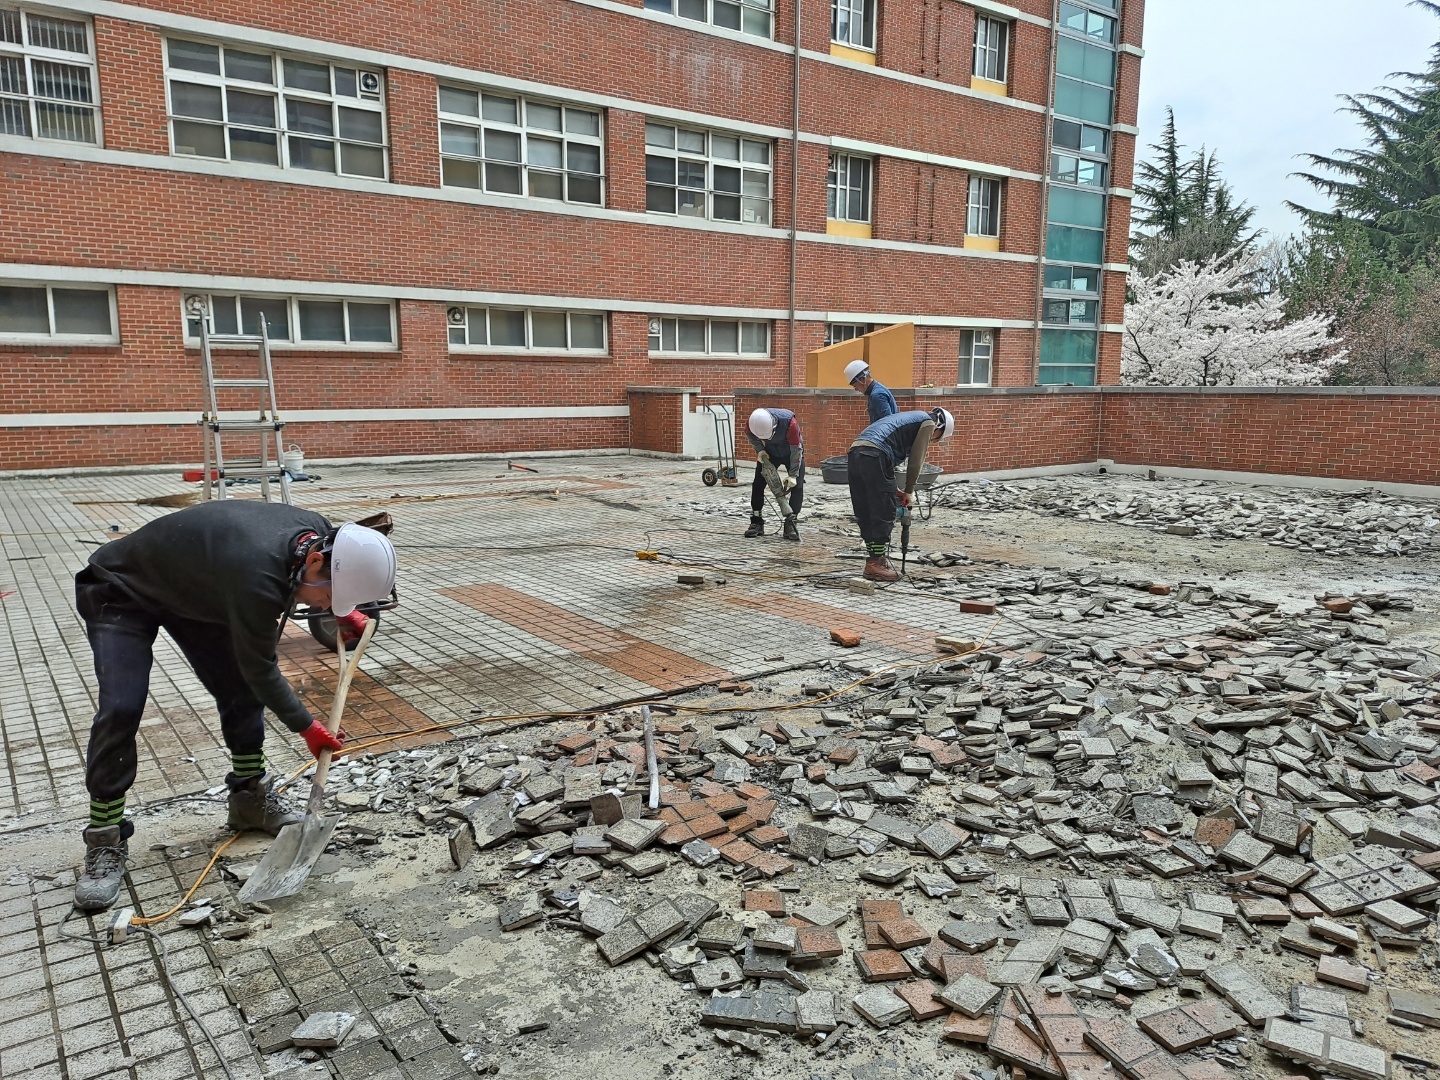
[837, 332]
[52, 336]
[985, 197]
[748, 15]
[370, 98]
[708, 159]
[992, 49]
[837, 186]
[193, 302]
[29, 54]
[979, 341]
[852, 23]
[661, 325]
[461, 317]
[525, 131]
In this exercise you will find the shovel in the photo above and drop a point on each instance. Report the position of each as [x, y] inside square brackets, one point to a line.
[287, 865]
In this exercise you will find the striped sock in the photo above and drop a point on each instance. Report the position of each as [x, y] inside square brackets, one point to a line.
[104, 814]
[244, 766]
[876, 550]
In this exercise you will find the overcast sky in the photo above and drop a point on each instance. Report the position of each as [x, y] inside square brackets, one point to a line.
[1258, 80]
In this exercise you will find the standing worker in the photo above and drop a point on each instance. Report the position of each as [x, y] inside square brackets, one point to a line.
[879, 401]
[775, 433]
[217, 578]
[871, 463]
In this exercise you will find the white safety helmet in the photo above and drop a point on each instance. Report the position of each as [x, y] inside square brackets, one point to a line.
[854, 369]
[362, 568]
[944, 423]
[762, 424]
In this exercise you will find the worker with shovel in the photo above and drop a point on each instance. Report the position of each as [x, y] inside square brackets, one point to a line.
[775, 436]
[879, 401]
[218, 578]
[871, 464]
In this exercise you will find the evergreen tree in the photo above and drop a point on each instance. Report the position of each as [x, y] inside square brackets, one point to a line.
[1390, 188]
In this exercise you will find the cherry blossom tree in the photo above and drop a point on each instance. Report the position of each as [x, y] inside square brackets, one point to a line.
[1205, 324]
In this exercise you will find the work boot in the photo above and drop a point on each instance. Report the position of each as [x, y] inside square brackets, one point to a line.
[792, 531]
[878, 568]
[254, 806]
[757, 527]
[105, 854]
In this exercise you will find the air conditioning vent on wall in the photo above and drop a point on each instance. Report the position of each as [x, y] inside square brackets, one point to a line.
[369, 85]
[456, 316]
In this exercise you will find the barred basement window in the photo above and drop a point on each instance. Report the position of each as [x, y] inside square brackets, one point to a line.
[852, 23]
[983, 218]
[746, 16]
[291, 320]
[977, 351]
[271, 109]
[847, 188]
[496, 329]
[65, 314]
[47, 77]
[509, 145]
[706, 174]
[992, 47]
[708, 337]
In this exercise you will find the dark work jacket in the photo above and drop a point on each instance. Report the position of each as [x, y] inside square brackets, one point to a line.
[778, 445]
[226, 562]
[894, 434]
[880, 402]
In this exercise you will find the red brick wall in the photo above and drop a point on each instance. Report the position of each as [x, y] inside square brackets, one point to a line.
[656, 421]
[1361, 434]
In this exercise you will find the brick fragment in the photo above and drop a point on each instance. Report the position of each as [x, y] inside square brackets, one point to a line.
[846, 639]
[881, 965]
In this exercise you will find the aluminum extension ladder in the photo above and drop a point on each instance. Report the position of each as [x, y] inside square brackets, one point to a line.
[224, 416]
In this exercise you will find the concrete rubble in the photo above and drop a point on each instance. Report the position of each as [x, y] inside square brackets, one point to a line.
[1075, 857]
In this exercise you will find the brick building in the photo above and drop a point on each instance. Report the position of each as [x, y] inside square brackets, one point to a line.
[473, 226]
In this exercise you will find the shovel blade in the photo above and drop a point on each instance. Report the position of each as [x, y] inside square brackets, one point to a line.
[287, 865]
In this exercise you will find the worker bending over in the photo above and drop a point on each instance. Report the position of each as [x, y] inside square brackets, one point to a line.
[775, 434]
[879, 401]
[873, 493]
[217, 578]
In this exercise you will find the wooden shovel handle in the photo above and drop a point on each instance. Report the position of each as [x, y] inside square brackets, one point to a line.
[337, 707]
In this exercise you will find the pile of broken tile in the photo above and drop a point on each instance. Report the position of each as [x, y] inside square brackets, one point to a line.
[1028, 830]
[1326, 523]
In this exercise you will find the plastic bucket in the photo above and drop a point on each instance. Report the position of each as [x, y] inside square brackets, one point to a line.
[293, 460]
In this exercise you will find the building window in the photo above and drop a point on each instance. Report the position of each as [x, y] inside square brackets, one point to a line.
[297, 321]
[977, 350]
[1080, 279]
[243, 104]
[1084, 138]
[509, 145]
[848, 188]
[983, 218]
[1065, 312]
[1070, 169]
[992, 48]
[838, 332]
[1091, 24]
[1085, 64]
[65, 314]
[47, 77]
[495, 329]
[746, 16]
[852, 23]
[1067, 356]
[706, 174]
[708, 337]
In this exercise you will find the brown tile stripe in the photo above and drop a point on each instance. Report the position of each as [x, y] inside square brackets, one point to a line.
[632, 656]
[897, 635]
[370, 709]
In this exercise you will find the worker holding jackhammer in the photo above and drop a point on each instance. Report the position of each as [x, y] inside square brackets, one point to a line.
[218, 578]
[872, 461]
[879, 401]
[775, 436]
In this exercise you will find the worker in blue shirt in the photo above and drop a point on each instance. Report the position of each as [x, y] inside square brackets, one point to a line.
[879, 401]
[873, 492]
[776, 433]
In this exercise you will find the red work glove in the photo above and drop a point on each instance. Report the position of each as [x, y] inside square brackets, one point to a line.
[904, 499]
[317, 739]
[351, 626]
